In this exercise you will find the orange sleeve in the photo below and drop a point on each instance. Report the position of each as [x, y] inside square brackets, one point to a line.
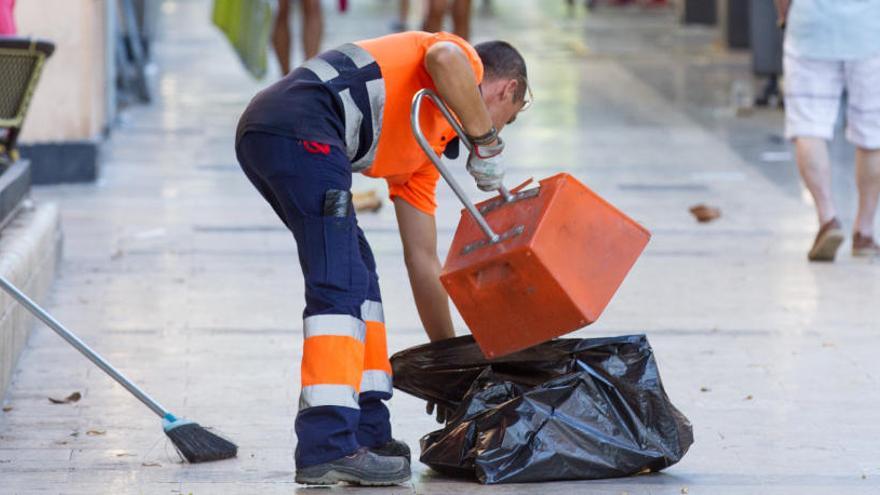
[466, 47]
[420, 190]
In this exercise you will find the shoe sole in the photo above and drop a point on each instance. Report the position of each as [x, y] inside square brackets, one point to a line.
[333, 477]
[826, 248]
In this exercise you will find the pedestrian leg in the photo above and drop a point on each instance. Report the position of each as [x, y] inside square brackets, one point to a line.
[435, 10]
[814, 164]
[281, 36]
[312, 27]
[461, 18]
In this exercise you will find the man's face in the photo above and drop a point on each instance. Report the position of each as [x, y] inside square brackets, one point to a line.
[499, 95]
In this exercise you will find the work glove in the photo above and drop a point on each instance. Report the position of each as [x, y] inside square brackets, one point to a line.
[443, 413]
[484, 164]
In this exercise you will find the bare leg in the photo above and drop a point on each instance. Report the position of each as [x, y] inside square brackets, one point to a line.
[403, 11]
[313, 27]
[868, 183]
[461, 18]
[434, 12]
[815, 167]
[281, 36]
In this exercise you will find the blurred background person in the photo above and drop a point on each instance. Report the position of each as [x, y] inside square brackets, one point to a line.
[7, 19]
[312, 30]
[435, 11]
[831, 46]
[400, 24]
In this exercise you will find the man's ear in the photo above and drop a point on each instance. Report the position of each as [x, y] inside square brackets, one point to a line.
[510, 88]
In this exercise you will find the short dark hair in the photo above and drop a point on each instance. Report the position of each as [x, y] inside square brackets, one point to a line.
[502, 61]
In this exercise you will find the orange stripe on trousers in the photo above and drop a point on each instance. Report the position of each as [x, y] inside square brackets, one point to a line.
[376, 357]
[332, 360]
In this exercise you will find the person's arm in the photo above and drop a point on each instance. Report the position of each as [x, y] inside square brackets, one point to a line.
[418, 231]
[455, 81]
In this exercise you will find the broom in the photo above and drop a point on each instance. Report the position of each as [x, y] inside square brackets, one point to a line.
[194, 442]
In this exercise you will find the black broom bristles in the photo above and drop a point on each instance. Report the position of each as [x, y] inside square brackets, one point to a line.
[197, 444]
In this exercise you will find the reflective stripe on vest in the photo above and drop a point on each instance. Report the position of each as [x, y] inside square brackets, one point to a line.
[353, 74]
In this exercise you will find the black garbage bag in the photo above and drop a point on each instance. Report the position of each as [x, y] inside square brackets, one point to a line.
[563, 410]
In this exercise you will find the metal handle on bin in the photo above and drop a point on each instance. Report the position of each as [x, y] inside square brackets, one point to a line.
[444, 172]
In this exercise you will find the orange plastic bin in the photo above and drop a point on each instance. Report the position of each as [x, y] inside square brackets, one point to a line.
[524, 268]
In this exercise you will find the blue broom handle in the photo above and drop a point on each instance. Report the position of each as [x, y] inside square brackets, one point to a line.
[81, 347]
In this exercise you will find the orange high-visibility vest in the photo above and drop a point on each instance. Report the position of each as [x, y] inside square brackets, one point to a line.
[398, 157]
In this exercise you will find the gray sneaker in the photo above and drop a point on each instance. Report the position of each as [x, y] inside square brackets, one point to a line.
[361, 468]
[394, 448]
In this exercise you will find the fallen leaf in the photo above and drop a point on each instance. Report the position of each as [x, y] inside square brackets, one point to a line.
[74, 397]
[151, 464]
[94, 433]
[74, 434]
[705, 389]
[748, 397]
[125, 454]
[684, 490]
[61, 442]
[7, 408]
[864, 476]
[704, 213]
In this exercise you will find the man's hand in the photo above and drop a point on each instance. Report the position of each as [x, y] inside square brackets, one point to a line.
[485, 165]
[442, 413]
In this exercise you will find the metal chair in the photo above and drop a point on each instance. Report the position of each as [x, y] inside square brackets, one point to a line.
[21, 63]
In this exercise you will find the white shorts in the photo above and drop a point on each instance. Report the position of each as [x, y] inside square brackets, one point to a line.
[813, 89]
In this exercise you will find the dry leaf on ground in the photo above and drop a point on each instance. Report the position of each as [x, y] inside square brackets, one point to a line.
[151, 464]
[94, 433]
[74, 397]
[7, 408]
[705, 213]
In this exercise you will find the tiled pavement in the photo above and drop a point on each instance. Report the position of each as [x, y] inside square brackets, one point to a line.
[179, 274]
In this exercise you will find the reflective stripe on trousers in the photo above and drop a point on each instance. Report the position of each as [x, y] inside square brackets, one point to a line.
[334, 345]
[377, 368]
[332, 364]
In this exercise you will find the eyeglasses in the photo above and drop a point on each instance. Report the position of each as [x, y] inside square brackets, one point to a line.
[528, 98]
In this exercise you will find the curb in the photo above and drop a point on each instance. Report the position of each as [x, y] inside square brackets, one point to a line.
[30, 250]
